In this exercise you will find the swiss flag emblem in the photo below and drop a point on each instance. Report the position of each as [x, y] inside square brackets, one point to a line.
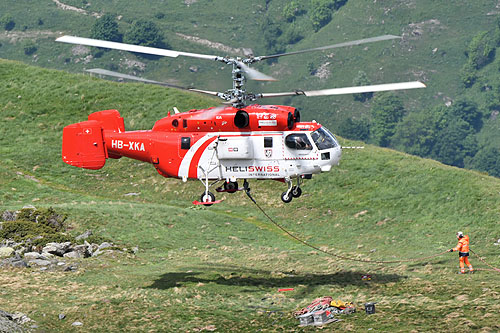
[87, 131]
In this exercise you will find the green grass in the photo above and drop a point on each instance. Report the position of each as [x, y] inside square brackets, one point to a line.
[199, 268]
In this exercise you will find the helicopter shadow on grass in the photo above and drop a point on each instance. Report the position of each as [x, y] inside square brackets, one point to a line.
[247, 277]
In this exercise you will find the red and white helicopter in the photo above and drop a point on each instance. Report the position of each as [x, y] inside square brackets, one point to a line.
[221, 144]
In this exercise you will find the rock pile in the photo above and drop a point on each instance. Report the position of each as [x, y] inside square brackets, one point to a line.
[50, 256]
[15, 322]
[35, 238]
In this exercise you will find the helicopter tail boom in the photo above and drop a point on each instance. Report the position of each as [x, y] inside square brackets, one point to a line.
[83, 143]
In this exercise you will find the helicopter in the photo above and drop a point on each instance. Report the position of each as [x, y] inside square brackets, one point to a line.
[219, 145]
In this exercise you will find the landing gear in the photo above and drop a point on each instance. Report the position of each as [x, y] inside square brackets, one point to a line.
[296, 191]
[292, 192]
[207, 198]
[286, 197]
[231, 187]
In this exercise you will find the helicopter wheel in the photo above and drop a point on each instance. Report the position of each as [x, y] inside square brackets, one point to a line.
[207, 197]
[296, 191]
[286, 198]
[231, 187]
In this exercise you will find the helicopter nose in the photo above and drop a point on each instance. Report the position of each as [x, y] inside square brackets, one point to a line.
[330, 158]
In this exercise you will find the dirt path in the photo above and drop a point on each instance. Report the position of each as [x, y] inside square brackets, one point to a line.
[218, 46]
[14, 36]
[75, 9]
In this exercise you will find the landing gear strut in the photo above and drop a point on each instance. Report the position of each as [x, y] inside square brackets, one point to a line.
[231, 187]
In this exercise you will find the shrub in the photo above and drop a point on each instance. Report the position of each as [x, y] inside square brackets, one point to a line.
[7, 22]
[29, 47]
[143, 32]
[106, 28]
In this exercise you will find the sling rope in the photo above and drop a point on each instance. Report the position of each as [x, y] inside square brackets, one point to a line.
[493, 269]
[247, 191]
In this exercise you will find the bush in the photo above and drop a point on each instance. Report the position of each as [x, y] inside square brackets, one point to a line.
[144, 33]
[29, 47]
[320, 13]
[37, 227]
[106, 28]
[481, 50]
[292, 10]
[7, 22]
[361, 80]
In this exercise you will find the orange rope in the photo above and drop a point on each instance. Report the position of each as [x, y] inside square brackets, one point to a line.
[494, 269]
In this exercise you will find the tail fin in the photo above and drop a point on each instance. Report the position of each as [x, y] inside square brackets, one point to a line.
[83, 143]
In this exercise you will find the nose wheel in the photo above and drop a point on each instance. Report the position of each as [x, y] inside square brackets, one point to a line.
[292, 192]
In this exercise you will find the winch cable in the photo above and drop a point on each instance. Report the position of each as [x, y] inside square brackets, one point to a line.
[247, 191]
[493, 269]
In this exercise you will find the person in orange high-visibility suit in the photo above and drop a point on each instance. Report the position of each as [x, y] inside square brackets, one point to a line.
[463, 252]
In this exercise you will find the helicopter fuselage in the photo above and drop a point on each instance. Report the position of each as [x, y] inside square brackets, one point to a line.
[255, 142]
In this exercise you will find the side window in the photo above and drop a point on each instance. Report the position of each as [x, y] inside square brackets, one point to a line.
[268, 142]
[298, 141]
[185, 143]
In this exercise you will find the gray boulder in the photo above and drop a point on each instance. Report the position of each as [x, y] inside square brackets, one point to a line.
[85, 235]
[58, 249]
[9, 215]
[6, 252]
[11, 323]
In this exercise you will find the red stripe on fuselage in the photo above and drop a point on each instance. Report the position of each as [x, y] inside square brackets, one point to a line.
[193, 167]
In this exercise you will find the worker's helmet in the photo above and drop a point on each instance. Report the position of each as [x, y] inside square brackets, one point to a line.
[460, 234]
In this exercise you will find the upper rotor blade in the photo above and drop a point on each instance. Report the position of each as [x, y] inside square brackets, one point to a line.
[352, 43]
[131, 48]
[350, 90]
[254, 74]
[213, 93]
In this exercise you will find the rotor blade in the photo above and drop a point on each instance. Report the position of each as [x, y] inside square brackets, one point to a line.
[352, 43]
[101, 71]
[131, 48]
[254, 74]
[213, 93]
[349, 90]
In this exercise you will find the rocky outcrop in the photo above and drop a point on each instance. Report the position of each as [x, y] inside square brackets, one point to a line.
[14, 322]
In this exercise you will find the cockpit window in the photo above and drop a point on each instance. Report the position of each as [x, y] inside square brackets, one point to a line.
[324, 139]
[298, 141]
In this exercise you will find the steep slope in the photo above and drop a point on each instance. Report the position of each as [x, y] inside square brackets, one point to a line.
[202, 268]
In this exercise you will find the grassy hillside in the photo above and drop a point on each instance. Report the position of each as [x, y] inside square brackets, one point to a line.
[221, 267]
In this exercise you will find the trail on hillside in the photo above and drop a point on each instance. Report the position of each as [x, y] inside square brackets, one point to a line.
[63, 6]
[14, 36]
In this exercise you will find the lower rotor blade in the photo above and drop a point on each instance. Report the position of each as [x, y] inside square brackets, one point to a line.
[349, 90]
[101, 71]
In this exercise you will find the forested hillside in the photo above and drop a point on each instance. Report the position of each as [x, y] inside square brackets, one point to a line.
[450, 46]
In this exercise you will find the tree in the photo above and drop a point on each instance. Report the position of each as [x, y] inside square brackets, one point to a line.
[143, 32]
[7, 22]
[355, 129]
[106, 28]
[416, 134]
[387, 111]
[321, 13]
[487, 159]
[468, 111]
[292, 10]
[455, 143]
[362, 80]
[481, 50]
